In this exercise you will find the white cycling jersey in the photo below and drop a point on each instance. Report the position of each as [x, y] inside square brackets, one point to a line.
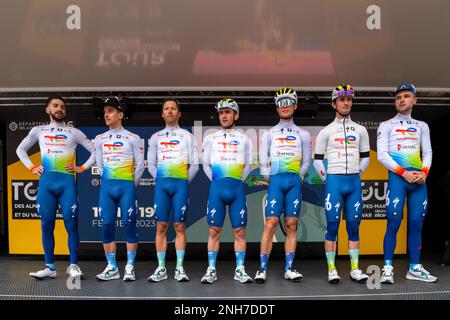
[403, 142]
[172, 153]
[285, 148]
[120, 155]
[57, 142]
[227, 153]
[346, 145]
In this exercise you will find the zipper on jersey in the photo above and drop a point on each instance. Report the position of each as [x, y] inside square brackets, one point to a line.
[345, 147]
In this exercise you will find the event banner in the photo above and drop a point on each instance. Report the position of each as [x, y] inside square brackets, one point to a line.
[24, 225]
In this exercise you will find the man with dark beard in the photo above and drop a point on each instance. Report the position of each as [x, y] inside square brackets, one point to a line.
[57, 142]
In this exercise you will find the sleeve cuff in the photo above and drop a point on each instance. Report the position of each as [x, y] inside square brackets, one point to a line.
[83, 168]
[400, 171]
[425, 170]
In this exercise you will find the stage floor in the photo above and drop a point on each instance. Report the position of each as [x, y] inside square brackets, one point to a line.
[15, 283]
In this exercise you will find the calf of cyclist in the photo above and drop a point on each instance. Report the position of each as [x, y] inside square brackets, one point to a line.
[284, 156]
[120, 160]
[172, 162]
[404, 148]
[227, 156]
[346, 147]
[57, 143]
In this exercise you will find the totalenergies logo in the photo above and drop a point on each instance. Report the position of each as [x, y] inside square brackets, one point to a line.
[59, 138]
[116, 146]
[232, 144]
[349, 140]
[287, 140]
[409, 131]
[170, 144]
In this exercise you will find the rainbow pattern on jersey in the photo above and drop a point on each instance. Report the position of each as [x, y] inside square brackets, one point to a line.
[124, 171]
[285, 165]
[234, 171]
[55, 162]
[172, 170]
[408, 159]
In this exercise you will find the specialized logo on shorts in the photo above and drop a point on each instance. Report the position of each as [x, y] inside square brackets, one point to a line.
[409, 131]
[59, 138]
[296, 202]
[170, 144]
[287, 140]
[272, 203]
[115, 146]
[395, 202]
[357, 204]
[349, 140]
[232, 144]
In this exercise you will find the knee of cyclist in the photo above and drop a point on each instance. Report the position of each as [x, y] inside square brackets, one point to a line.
[271, 226]
[108, 233]
[179, 227]
[291, 226]
[47, 225]
[162, 227]
[214, 233]
[332, 230]
[130, 230]
[353, 230]
[393, 225]
[239, 233]
[415, 226]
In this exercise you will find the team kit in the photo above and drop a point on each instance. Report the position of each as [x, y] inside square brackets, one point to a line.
[341, 155]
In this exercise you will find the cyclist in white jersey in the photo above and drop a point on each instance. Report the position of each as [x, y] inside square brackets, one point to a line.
[172, 162]
[404, 148]
[346, 146]
[227, 157]
[284, 157]
[57, 143]
[120, 160]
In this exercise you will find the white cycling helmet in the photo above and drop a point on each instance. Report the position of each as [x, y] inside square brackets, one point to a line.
[227, 103]
[285, 93]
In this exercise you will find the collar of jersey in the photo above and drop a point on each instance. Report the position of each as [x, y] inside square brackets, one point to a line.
[342, 120]
[286, 123]
[402, 117]
[116, 130]
[58, 124]
[228, 130]
[171, 128]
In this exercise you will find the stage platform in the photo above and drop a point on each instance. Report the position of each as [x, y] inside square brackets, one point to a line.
[15, 283]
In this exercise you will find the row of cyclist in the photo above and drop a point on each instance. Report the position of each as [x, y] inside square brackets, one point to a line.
[403, 146]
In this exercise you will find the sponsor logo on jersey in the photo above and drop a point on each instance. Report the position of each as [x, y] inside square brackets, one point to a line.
[232, 144]
[59, 138]
[400, 147]
[409, 131]
[349, 140]
[170, 144]
[287, 140]
[115, 146]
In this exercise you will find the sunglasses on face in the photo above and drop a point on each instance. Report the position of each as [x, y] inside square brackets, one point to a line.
[286, 101]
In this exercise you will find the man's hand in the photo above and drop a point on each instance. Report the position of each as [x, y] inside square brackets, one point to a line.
[421, 177]
[38, 170]
[410, 176]
[267, 178]
[73, 168]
